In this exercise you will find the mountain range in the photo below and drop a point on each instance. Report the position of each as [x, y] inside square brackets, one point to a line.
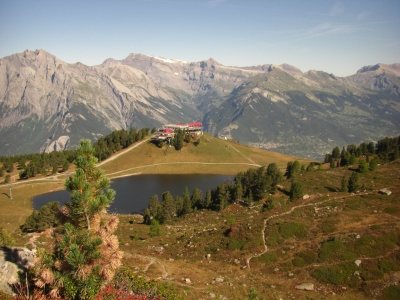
[47, 104]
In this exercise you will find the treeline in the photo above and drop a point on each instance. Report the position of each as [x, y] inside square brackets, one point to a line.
[249, 186]
[33, 164]
[116, 141]
[384, 151]
[45, 164]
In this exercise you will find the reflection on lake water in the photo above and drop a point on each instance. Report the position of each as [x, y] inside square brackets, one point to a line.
[134, 192]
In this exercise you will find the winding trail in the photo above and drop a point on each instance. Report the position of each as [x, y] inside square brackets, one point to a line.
[248, 259]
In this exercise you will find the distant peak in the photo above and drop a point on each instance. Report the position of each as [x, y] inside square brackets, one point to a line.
[369, 68]
[380, 68]
[290, 68]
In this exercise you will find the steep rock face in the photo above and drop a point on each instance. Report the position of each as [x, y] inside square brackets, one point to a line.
[47, 104]
[43, 98]
[304, 114]
[379, 77]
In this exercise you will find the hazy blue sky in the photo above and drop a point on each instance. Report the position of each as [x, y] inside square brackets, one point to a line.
[338, 37]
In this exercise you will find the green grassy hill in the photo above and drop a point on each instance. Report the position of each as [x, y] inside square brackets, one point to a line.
[345, 244]
[211, 156]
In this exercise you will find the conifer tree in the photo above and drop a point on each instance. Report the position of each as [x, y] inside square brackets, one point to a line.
[207, 199]
[344, 185]
[187, 203]
[168, 210]
[87, 254]
[353, 184]
[296, 190]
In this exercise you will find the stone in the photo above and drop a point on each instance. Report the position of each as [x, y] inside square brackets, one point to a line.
[305, 287]
[357, 262]
[187, 280]
[12, 261]
[219, 279]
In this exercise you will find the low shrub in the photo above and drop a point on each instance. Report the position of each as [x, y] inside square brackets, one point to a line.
[331, 249]
[287, 230]
[340, 274]
[392, 292]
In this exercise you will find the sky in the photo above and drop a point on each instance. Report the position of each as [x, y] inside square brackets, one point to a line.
[337, 37]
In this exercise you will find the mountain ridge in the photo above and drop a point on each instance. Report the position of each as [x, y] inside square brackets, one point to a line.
[46, 102]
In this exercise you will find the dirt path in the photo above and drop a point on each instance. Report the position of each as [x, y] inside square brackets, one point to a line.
[248, 158]
[248, 259]
[121, 152]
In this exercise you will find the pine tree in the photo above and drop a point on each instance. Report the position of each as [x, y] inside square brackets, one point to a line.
[187, 203]
[296, 191]
[87, 254]
[207, 199]
[353, 184]
[196, 198]
[168, 210]
[344, 185]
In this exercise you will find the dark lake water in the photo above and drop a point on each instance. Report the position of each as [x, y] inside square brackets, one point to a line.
[134, 192]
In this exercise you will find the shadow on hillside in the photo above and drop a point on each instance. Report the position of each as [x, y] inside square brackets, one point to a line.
[7, 195]
[331, 189]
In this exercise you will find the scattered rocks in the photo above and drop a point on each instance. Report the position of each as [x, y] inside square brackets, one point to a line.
[218, 280]
[305, 287]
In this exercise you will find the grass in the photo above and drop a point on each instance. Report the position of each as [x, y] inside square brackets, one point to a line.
[314, 245]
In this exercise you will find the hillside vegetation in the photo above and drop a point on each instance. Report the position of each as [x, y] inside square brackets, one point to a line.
[343, 243]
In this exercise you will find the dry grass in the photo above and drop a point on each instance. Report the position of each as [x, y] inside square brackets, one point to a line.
[181, 250]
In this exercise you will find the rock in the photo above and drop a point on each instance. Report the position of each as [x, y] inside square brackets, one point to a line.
[305, 287]
[219, 279]
[290, 274]
[357, 262]
[187, 280]
[12, 261]
[208, 256]
[212, 295]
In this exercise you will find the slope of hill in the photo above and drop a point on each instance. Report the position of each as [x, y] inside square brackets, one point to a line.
[334, 243]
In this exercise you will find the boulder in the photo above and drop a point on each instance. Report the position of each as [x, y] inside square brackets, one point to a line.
[305, 287]
[14, 261]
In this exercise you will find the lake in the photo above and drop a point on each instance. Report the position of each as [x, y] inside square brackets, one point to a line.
[134, 192]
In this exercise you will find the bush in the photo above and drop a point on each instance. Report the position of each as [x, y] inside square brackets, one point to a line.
[236, 244]
[340, 274]
[387, 266]
[48, 216]
[287, 230]
[270, 256]
[392, 292]
[155, 228]
[330, 249]
[6, 238]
